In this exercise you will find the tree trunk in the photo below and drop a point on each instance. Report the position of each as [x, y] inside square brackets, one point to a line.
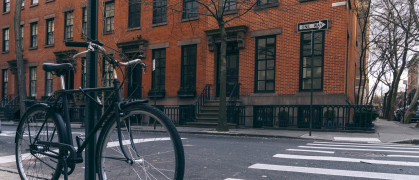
[222, 116]
[19, 58]
[412, 108]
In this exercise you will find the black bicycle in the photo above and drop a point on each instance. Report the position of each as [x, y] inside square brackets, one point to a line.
[136, 140]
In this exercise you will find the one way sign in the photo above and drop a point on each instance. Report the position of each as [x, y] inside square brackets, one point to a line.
[313, 26]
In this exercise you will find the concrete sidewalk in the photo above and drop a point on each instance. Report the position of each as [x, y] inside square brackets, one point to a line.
[385, 132]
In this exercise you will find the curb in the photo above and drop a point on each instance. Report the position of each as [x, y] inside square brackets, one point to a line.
[408, 141]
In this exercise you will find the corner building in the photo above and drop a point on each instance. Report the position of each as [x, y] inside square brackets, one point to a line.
[268, 60]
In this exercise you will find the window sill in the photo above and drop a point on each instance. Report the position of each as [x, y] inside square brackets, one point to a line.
[49, 45]
[301, 1]
[48, 1]
[156, 94]
[106, 33]
[190, 19]
[5, 52]
[230, 12]
[68, 39]
[33, 5]
[33, 48]
[266, 6]
[159, 24]
[8, 12]
[133, 29]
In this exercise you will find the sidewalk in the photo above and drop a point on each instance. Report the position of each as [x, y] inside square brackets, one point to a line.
[385, 132]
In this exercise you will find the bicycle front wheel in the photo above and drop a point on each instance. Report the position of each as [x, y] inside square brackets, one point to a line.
[33, 160]
[152, 146]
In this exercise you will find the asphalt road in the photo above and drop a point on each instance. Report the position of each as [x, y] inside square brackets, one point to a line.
[244, 158]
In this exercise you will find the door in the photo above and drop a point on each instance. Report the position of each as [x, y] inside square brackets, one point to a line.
[135, 83]
[232, 69]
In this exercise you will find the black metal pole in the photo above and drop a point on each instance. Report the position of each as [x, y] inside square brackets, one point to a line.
[405, 101]
[91, 113]
[311, 84]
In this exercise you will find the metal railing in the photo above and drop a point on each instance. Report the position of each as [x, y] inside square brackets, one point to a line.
[202, 99]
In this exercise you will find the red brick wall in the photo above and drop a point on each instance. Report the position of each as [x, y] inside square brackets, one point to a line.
[338, 74]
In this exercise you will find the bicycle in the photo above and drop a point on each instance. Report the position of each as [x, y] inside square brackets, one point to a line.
[136, 140]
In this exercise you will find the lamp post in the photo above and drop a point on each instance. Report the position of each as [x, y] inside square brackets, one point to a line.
[404, 104]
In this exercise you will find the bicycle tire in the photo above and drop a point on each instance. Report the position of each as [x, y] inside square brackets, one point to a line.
[156, 150]
[31, 164]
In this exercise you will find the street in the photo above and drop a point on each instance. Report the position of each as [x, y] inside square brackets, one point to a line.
[244, 158]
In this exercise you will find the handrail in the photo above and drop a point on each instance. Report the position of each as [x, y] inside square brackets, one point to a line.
[5, 101]
[202, 98]
[232, 97]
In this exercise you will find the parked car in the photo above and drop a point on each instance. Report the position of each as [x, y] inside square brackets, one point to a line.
[399, 113]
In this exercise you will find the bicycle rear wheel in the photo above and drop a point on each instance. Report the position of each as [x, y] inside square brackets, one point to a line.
[32, 159]
[150, 141]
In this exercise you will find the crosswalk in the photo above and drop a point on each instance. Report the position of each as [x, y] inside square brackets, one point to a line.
[336, 160]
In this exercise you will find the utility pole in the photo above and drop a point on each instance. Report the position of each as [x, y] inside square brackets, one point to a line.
[90, 110]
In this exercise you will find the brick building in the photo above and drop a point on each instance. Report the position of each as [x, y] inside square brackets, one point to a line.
[266, 55]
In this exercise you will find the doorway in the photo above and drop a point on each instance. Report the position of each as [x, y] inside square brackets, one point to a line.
[232, 69]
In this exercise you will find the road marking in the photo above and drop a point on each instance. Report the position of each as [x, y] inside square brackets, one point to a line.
[357, 139]
[334, 172]
[371, 144]
[407, 156]
[136, 141]
[233, 179]
[362, 146]
[8, 133]
[8, 159]
[357, 149]
[341, 159]
[307, 150]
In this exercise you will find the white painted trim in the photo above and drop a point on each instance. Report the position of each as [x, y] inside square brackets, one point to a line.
[343, 3]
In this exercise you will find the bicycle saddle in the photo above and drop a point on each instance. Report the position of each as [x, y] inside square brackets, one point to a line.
[57, 69]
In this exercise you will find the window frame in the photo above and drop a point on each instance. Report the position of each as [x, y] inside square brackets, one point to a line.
[311, 55]
[268, 2]
[6, 40]
[159, 6]
[229, 4]
[49, 32]
[4, 83]
[190, 13]
[110, 18]
[266, 69]
[188, 78]
[68, 28]
[34, 2]
[48, 83]
[34, 35]
[6, 6]
[32, 81]
[107, 73]
[84, 22]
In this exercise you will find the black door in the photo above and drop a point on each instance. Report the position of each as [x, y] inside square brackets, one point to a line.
[134, 82]
[232, 74]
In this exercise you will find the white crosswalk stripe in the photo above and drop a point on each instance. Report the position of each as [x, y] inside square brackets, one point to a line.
[387, 154]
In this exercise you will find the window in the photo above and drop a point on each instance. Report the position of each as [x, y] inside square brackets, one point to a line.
[109, 16]
[84, 22]
[190, 9]
[68, 25]
[23, 4]
[6, 5]
[311, 59]
[48, 84]
[159, 11]
[83, 73]
[188, 71]
[134, 13]
[5, 40]
[34, 35]
[158, 79]
[4, 83]
[50, 32]
[230, 5]
[34, 2]
[21, 36]
[265, 64]
[107, 74]
[32, 81]
[266, 2]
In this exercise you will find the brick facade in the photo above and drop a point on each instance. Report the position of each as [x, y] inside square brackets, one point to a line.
[279, 20]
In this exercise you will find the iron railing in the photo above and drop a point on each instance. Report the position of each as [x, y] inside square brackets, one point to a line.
[202, 99]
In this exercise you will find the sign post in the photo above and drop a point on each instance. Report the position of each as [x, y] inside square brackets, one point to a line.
[312, 26]
[90, 110]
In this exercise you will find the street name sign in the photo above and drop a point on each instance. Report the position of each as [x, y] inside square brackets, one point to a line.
[313, 26]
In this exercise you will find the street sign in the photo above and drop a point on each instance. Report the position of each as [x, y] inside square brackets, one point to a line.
[313, 26]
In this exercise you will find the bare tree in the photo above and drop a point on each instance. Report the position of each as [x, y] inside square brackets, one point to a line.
[19, 57]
